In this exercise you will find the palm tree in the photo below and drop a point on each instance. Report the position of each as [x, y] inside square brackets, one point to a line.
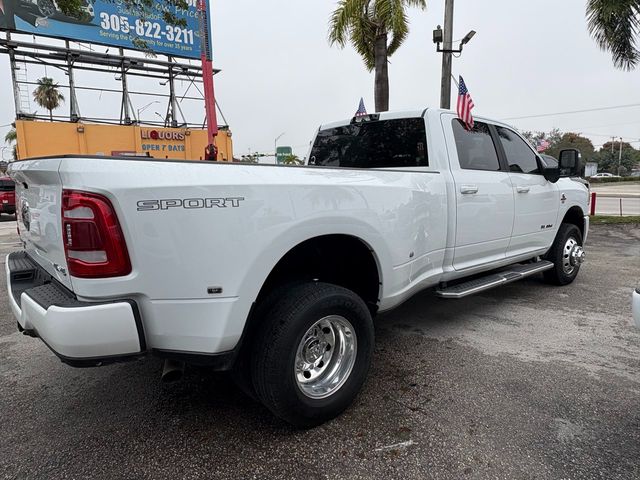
[367, 24]
[11, 138]
[292, 159]
[47, 95]
[615, 25]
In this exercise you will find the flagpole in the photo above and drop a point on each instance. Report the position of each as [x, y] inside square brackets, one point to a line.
[455, 81]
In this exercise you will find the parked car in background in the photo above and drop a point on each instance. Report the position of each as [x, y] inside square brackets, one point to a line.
[7, 196]
[605, 175]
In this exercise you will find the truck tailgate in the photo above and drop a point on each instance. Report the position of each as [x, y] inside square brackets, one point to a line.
[38, 212]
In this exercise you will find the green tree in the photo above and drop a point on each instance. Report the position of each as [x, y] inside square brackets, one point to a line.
[608, 158]
[376, 29]
[12, 138]
[615, 25]
[47, 95]
[292, 159]
[572, 140]
[552, 137]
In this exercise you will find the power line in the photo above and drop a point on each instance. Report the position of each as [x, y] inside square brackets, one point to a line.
[574, 111]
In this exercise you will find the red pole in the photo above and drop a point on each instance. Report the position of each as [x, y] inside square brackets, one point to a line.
[593, 203]
[210, 152]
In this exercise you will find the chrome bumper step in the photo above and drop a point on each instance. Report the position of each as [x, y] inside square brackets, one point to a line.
[513, 274]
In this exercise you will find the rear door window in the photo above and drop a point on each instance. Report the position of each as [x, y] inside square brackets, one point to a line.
[476, 150]
[378, 144]
[520, 156]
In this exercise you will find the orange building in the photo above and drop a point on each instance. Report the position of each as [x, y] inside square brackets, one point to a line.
[40, 138]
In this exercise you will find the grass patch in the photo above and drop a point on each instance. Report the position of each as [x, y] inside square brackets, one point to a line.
[613, 219]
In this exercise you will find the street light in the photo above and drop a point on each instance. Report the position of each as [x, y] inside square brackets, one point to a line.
[438, 38]
[275, 146]
[140, 110]
[446, 37]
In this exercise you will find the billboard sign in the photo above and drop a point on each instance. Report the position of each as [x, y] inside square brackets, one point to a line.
[108, 22]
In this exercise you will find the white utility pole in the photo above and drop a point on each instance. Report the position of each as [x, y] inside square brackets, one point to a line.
[620, 157]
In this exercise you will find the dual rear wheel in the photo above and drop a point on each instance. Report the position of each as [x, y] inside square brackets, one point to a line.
[311, 352]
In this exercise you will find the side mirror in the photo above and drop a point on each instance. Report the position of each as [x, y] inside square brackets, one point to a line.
[570, 163]
[552, 174]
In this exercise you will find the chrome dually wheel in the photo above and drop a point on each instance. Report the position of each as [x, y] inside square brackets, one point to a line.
[325, 356]
[311, 353]
[567, 254]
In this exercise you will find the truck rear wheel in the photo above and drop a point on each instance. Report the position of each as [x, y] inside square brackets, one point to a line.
[312, 353]
[567, 255]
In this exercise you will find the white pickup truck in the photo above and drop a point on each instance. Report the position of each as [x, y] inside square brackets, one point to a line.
[275, 272]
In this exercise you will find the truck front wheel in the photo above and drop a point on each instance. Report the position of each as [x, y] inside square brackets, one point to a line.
[566, 254]
[312, 353]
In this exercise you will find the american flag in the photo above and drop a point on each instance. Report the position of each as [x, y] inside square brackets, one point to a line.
[542, 145]
[361, 112]
[465, 104]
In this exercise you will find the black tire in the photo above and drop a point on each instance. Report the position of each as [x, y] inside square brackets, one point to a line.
[276, 343]
[241, 371]
[556, 254]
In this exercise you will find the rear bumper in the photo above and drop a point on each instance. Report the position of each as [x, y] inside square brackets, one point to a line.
[81, 334]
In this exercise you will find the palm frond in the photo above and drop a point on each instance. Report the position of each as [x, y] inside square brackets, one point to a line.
[342, 19]
[615, 25]
[11, 136]
[361, 22]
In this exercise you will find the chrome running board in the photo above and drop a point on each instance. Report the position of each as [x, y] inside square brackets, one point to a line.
[513, 274]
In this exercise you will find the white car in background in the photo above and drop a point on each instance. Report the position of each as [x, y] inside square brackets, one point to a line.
[605, 175]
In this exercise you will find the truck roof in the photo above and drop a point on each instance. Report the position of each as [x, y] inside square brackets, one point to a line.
[394, 114]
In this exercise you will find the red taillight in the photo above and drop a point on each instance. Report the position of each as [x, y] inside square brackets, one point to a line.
[93, 241]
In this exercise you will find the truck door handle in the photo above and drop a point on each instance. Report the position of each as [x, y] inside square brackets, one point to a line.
[521, 189]
[468, 189]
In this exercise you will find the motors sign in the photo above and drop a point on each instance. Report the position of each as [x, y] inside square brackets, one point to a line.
[109, 22]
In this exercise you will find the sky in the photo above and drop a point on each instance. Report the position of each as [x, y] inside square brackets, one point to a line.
[281, 76]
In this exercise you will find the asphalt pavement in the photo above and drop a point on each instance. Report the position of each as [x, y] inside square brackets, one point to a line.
[528, 382]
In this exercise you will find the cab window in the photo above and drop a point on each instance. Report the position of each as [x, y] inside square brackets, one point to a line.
[476, 150]
[375, 144]
[520, 157]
